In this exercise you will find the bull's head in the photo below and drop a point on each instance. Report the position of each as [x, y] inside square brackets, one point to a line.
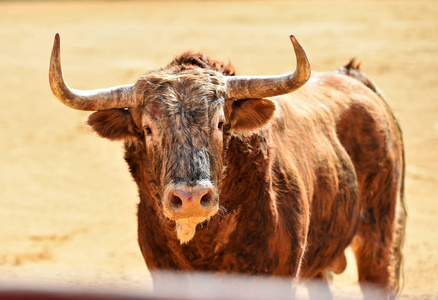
[177, 118]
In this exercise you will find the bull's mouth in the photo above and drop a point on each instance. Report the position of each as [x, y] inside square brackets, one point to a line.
[186, 228]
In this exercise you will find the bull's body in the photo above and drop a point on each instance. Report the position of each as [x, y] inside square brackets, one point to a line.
[327, 169]
[299, 177]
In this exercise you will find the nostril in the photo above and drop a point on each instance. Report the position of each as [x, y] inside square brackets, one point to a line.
[176, 202]
[206, 200]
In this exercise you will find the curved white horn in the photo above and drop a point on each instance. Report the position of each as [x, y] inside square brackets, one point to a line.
[99, 99]
[255, 87]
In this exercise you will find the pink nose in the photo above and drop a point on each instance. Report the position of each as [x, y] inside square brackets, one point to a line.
[184, 201]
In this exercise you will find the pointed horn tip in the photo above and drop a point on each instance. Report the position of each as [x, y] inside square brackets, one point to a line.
[299, 49]
[57, 39]
[294, 40]
[56, 46]
[54, 66]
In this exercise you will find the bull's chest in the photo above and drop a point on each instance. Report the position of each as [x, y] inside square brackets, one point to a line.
[230, 249]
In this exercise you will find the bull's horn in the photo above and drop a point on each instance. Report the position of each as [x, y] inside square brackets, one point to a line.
[100, 99]
[255, 87]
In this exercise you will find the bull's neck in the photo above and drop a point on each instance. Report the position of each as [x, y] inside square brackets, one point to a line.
[248, 177]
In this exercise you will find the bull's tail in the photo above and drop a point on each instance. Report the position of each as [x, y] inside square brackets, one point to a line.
[352, 69]
[397, 259]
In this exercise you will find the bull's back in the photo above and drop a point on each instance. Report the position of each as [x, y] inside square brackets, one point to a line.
[369, 132]
[343, 135]
[363, 122]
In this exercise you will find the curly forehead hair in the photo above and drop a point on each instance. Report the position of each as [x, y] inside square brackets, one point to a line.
[191, 60]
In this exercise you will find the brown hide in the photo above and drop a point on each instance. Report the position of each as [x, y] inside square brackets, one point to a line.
[324, 173]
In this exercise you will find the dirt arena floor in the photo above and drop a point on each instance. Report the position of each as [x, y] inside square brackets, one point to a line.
[67, 202]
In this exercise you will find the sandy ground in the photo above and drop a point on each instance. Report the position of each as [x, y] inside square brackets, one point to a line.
[67, 202]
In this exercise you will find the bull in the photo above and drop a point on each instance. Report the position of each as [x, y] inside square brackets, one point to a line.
[236, 176]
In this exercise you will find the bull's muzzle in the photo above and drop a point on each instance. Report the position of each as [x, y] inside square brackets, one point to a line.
[184, 201]
[189, 206]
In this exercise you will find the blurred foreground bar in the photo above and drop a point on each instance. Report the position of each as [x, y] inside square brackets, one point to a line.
[190, 286]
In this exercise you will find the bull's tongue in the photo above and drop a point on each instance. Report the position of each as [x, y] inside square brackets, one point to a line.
[186, 228]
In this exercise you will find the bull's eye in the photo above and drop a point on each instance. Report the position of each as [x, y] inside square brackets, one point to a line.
[147, 130]
[220, 125]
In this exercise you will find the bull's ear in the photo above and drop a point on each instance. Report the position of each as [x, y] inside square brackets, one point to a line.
[113, 124]
[249, 116]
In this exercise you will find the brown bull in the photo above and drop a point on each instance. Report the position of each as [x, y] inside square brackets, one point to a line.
[234, 179]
